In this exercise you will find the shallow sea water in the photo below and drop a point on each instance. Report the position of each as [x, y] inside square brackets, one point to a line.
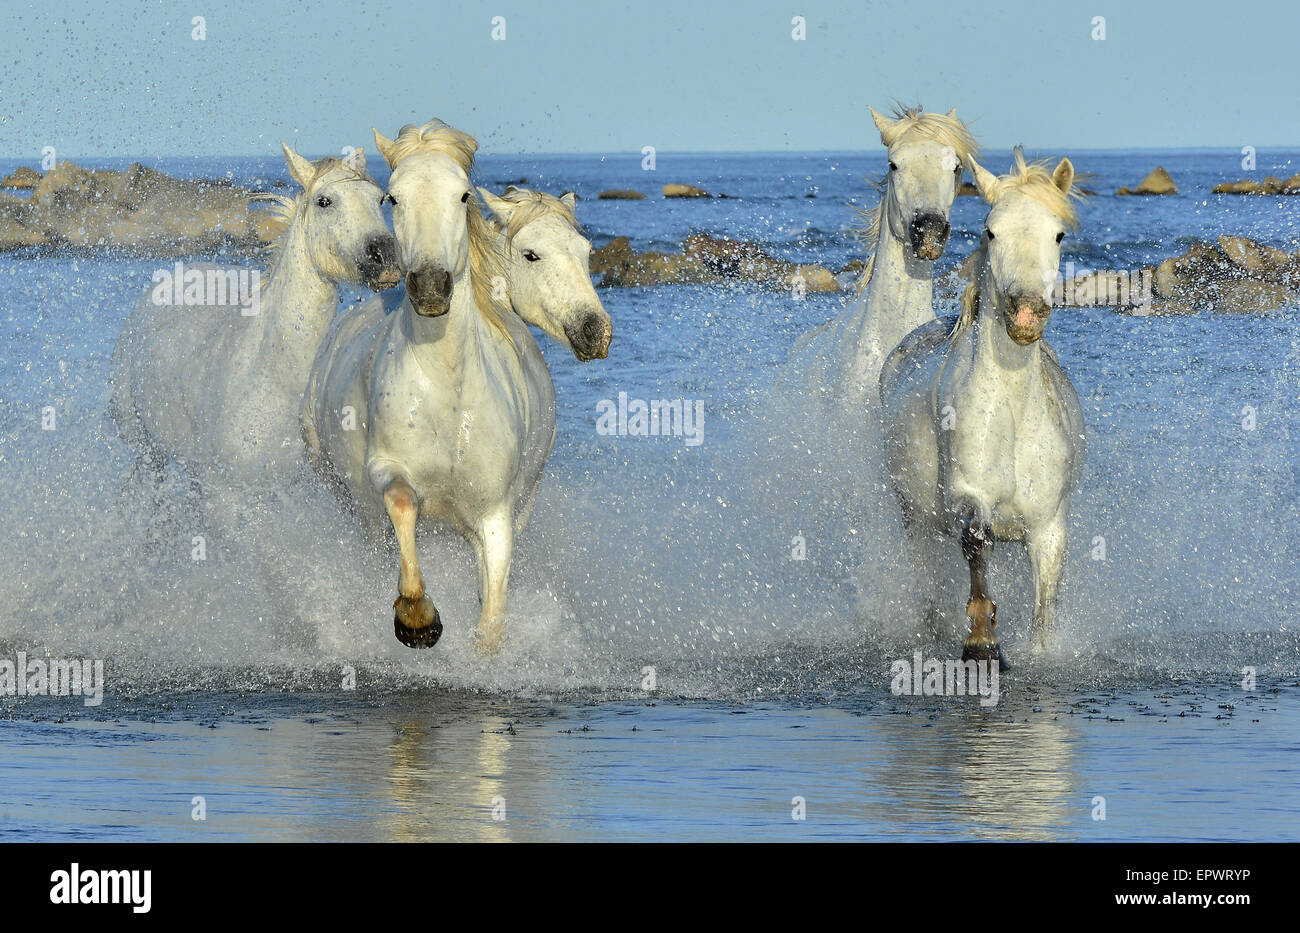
[772, 675]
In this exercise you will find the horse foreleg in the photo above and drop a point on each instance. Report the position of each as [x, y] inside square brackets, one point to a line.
[495, 538]
[977, 547]
[415, 621]
[1047, 557]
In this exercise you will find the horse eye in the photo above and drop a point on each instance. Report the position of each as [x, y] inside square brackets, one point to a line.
[988, 233]
[893, 166]
[323, 201]
[1060, 236]
[390, 199]
[531, 256]
[464, 197]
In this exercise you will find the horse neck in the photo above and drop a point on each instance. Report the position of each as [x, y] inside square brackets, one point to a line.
[996, 355]
[452, 339]
[297, 303]
[900, 295]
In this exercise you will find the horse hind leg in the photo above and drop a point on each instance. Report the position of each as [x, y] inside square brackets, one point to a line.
[977, 547]
[416, 622]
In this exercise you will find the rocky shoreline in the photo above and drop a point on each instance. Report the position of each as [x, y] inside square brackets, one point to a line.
[76, 209]
[1233, 275]
[138, 209]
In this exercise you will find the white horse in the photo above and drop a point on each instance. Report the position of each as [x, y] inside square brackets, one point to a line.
[453, 405]
[548, 269]
[218, 388]
[984, 432]
[910, 227]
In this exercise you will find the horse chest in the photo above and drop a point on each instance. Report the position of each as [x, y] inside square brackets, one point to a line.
[1010, 453]
[452, 439]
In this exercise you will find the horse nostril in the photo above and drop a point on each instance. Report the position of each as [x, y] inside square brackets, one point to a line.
[593, 330]
[381, 251]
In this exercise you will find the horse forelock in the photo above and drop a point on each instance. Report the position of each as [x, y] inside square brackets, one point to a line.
[435, 137]
[533, 205]
[1034, 180]
[940, 127]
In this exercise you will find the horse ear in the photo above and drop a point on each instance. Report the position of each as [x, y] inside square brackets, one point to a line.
[569, 200]
[985, 180]
[301, 169]
[884, 124]
[385, 146]
[953, 113]
[1063, 177]
[498, 206]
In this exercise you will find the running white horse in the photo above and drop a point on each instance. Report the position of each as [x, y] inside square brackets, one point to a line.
[984, 432]
[443, 408]
[547, 269]
[910, 227]
[216, 384]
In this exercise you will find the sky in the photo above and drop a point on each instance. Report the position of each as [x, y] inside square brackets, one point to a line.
[127, 78]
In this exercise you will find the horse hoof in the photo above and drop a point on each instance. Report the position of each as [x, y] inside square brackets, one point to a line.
[985, 652]
[428, 628]
[489, 641]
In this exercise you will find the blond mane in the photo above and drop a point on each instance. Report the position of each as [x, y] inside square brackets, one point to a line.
[533, 205]
[942, 128]
[286, 209]
[485, 262]
[970, 296]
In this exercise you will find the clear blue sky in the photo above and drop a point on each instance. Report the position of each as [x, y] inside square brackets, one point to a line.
[125, 78]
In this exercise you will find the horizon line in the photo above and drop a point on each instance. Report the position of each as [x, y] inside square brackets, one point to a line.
[636, 153]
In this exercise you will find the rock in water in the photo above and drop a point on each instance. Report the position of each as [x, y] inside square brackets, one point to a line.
[1252, 296]
[620, 194]
[1234, 275]
[739, 259]
[1158, 182]
[685, 191]
[1269, 186]
[656, 269]
[611, 254]
[22, 177]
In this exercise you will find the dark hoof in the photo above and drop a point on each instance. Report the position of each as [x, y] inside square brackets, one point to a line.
[985, 653]
[425, 637]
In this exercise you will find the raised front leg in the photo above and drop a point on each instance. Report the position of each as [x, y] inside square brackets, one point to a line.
[415, 622]
[495, 545]
[1047, 557]
[977, 547]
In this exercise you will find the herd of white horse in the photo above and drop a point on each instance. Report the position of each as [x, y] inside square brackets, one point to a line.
[432, 401]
